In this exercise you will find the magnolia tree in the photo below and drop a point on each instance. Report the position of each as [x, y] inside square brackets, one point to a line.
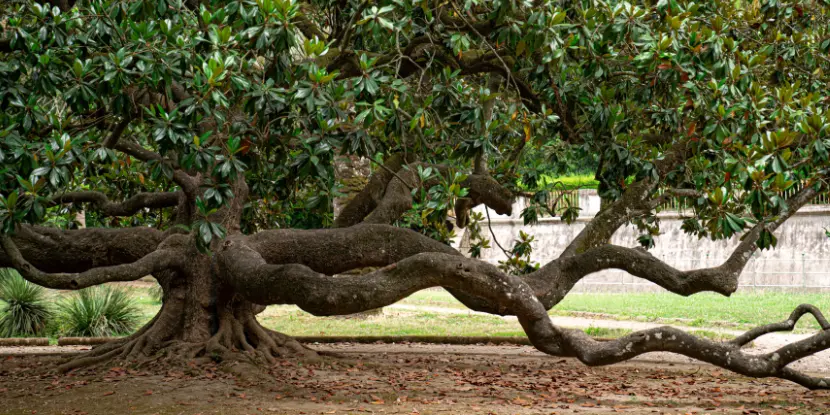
[200, 137]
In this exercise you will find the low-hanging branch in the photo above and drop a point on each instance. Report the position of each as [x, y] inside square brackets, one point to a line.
[78, 250]
[320, 294]
[338, 250]
[722, 279]
[156, 261]
[786, 325]
[129, 207]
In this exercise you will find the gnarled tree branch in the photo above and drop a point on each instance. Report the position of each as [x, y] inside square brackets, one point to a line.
[364, 202]
[321, 294]
[388, 194]
[636, 200]
[155, 261]
[128, 207]
[722, 279]
[333, 251]
[117, 132]
[787, 325]
[56, 250]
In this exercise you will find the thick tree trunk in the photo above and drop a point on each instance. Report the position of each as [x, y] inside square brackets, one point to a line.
[200, 317]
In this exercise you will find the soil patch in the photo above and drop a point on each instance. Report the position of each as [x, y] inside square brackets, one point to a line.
[399, 379]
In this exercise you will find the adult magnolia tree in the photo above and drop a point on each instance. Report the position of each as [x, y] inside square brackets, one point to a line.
[200, 136]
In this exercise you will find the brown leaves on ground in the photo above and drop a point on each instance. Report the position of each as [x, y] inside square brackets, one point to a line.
[403, 380]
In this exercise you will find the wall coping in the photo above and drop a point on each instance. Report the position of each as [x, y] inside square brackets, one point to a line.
[810, 210]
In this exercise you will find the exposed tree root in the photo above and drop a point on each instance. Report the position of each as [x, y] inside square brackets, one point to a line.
[235, 340]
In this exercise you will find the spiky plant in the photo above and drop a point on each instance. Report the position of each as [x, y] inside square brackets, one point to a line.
[97, 312]
[24, 310]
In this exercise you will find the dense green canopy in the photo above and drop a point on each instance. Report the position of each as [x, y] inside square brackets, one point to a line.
[275, 90]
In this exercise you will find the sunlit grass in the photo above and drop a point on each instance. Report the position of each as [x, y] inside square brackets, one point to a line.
[741, 310]
[584, 181]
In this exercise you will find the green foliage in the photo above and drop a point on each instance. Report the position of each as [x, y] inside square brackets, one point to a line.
[24, 309]
[477, 239]
[256, 90]
[433, 203]
[97, 311]
[518, 260]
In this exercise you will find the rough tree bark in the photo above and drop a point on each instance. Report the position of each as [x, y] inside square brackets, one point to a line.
[210, 301]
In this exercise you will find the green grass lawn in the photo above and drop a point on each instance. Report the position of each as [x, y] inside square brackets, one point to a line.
[741, 310]
[291, 320]
[701, 310]
[649, 307]
[584, 181]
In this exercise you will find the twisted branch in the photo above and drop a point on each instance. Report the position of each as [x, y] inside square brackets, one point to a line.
[155, 261]
[388, 195]
[128, 207]
[786, 325]
[320, 294]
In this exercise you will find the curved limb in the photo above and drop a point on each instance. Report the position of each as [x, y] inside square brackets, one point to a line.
[334, 251]
[128, 207]
[389, 193]
[56, 250]
[320, 294]
[636, 200]
[668, 339]
[155, 261]
[786, 325]
[366, 201]
[603, 226]
[722, 279]
[397, 197]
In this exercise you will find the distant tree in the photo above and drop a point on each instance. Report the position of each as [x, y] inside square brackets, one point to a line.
[219, 122]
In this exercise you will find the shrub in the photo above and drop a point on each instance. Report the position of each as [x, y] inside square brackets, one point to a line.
[98, 312]
[24, 310]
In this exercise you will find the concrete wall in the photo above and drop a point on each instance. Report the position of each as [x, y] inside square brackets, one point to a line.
[800, 261]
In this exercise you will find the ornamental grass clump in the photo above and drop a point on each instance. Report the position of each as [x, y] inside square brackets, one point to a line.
[98, 312]
[24, 309]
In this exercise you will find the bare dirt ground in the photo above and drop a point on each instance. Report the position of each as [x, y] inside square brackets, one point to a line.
[399, 379]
